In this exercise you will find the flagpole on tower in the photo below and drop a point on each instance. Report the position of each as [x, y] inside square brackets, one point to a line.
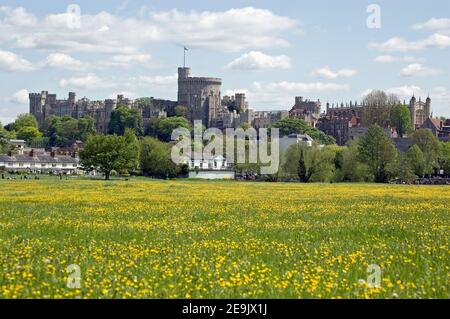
[184, 59]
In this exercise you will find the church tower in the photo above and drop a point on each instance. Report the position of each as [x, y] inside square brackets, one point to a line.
[412, 110]
[427, 108]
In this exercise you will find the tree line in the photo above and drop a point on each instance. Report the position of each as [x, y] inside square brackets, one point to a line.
[372, 158]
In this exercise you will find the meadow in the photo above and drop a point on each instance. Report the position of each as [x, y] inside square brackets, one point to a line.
[189, 239]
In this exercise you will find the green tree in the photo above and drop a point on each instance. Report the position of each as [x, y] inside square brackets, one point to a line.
[401, 119]
[167, 125]
[122, 118]
[402, 170]
[445, 158]
[24, 120]
[182, 111]
[289, 126]
[86, 127]
[377, 108]
[378, 151]
[309, 164]
[156, 160]
[66, 131]
[110, 152]
[430, 147]
[349, 168]
[302, 172]
[416, 160]
[4, 134]
[28, 133]
[144, 102]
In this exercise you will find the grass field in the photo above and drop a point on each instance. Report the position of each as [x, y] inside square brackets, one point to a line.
[186, 239]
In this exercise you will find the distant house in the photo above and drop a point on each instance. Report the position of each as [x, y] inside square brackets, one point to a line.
[295, 139]
[19, 145]
[214, 167]
[40, 163]
[402, 144]
[439, 128]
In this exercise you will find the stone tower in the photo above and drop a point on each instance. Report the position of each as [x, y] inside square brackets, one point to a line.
[420, 111]
[240, 102]
[202, 96]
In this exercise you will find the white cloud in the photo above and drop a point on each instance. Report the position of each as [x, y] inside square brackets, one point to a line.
[20, 97]
[158, 80]
[127, 61]
[391, 59]
[280, 95]
[314, 87]
[88, 82]
[418, 69]
[405, 91]
[433, 24]
[258, 61]
[93, 82]
[232, 31]
[440, 96]
[10, 61]
[436, 40]
[328, 73]
[18, 16]
[63, 61]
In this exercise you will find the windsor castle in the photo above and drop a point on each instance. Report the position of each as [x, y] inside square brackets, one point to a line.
[203, 100]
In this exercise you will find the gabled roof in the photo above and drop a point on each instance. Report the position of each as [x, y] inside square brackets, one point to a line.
[39, 159]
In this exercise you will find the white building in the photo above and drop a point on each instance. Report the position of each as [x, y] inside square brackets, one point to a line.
[299, 139]
[40, 163]
[215, 167]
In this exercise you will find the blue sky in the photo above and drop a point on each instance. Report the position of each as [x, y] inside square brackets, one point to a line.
[271, 50]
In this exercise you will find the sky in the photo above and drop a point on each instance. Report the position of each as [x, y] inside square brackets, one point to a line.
[335, 51]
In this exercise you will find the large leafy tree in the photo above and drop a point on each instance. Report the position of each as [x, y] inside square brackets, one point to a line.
[122, 118]
[24, 120]
[67, 131]
[309, 164]
[110, 152]
[86, 127]
[430, 147]
[28, 133]
[401, 119]
[377, 108]
[167, 125]
[182, 111]
[416, 160]
[63, 131]
[445, 157]
[349, 167]
[155, 159]
[378, 152]
[402, 169]
[289, 126]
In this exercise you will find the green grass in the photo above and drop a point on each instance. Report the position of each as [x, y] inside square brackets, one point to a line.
[195, 239]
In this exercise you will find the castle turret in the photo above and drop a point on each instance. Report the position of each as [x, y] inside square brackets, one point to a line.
[184, 73]
[412, 110]
[427, 108]
[240, 101]
[202, 96]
